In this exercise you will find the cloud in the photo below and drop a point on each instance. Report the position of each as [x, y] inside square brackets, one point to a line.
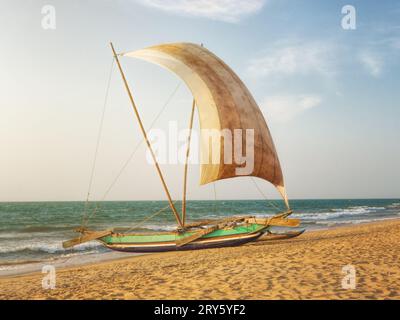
[284, 108]
[395, 43]
[223, 10]
[294, 58]
[372, 63]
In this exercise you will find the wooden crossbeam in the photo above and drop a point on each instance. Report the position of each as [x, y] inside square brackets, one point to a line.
[284, 222]
[195, 236]
[216, 221]
[218, 225]
[275, 221]
[85, 238]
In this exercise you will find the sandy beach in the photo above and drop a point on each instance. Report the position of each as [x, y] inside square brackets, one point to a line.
[308, 267]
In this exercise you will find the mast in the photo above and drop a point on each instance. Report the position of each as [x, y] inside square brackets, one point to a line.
[186, 163]
[178, 219]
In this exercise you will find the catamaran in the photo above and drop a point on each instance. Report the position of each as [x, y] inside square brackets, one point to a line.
[222, 102]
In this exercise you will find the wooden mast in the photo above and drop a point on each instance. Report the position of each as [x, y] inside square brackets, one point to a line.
[186, 163]
[178, 219]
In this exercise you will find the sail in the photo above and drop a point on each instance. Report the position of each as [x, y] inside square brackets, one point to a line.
[224, 105]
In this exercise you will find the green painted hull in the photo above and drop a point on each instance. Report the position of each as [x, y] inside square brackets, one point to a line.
[158, 242]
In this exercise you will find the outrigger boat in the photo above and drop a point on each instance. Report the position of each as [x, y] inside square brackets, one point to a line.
[223, 102]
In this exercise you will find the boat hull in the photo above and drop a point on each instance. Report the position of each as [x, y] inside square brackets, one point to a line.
[218, 242]
[169, 241]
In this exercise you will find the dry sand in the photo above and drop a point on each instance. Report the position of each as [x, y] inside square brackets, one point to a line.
[307, 267]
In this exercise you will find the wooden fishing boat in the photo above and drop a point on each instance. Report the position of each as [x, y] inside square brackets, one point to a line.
[228, 232]
[223, 103]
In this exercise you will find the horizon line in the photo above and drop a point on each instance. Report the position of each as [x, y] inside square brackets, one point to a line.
[272, 199]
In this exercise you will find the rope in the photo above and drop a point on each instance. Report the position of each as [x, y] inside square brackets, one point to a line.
[265, 197]
[133, 153]
[84, 221]
[148, 218]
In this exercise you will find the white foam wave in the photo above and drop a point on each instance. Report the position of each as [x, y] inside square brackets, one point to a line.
[158, 227]
[10, 235]
[45, 246]
[340, 212]
[357, 221]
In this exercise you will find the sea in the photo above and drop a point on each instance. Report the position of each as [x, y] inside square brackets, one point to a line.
[31, 233]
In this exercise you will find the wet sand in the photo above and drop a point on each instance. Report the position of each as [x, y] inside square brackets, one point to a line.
[307, 267]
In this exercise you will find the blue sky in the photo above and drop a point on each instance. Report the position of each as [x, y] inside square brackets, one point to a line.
[330, 96]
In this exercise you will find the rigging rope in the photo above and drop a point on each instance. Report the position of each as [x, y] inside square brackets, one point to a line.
[97, 144]
[148, 218]
[153, 215]
[133, 153]
[265, 197]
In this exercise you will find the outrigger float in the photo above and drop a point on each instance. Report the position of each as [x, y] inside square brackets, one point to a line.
[223, 102]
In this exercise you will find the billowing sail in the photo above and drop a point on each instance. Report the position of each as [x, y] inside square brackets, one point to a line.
[224, 105]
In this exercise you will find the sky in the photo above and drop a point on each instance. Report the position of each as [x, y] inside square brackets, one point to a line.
[330, 95]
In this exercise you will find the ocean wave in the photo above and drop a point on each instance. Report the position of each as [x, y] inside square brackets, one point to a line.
[155, 227]
[357, 221]
[48, 228]
[12, 264]
[147, 227]
[394, 205]
[10, 235]
[15, 263]
[35, 240]
[45, 247]
[340, 212]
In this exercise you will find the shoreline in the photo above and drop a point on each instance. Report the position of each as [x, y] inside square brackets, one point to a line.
[307, 267]
[35, 267]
